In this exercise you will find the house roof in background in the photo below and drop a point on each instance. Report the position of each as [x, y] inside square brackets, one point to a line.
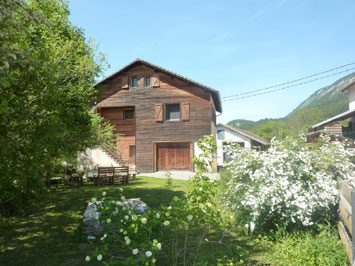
[215, 93]
[245, 133]
[339, 117]
[348, 87]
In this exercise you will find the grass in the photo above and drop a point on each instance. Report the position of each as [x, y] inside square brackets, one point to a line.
[51, 233]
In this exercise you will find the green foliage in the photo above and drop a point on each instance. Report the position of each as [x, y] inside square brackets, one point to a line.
[47, 70]
[171, 235]
[292, 184]
[306, 248]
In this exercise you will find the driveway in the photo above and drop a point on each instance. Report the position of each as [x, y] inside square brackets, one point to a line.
[177, 174]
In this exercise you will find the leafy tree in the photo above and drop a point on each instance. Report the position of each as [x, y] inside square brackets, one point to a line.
[301, 119]
[47, 72]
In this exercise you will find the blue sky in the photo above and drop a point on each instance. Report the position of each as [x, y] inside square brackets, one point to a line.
[232, 46]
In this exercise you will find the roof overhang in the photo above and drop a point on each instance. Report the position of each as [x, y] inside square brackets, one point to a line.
[339, 117]
[215, 94]
[245, 134]
[348, 87]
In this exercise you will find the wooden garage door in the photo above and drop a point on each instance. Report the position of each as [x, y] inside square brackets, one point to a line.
[173, 156]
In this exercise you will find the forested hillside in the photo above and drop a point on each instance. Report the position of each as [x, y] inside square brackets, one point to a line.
[324, 103]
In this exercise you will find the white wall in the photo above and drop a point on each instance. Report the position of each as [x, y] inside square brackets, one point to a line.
[197, 152]
[92, 158]
[229, 135]
[352, 97]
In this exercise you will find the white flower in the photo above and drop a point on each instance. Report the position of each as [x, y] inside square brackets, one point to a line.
[104, 193]
[99, 257]
[135, 251]
[121, 189]
[166, 223]
[158, 215]
[93, 200]
[108, 220]
[167, 214]
[189, 217]
[144, 220]
[134, 217]
[121, 230]
[169, 208]
[200, 189]
[126, 217]
[128, 241]
[159, 246]
[123, 199]
[87, 258]
[148, 253]
[175, 198]
[125, 238]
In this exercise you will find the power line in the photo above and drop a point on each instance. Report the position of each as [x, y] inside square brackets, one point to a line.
[292, 81]
[298, 84]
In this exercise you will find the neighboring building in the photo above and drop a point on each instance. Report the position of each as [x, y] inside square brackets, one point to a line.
[334, 125]
[228, 134]
[160, 114]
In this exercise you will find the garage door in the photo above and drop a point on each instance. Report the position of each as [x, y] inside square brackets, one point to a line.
[173, 156]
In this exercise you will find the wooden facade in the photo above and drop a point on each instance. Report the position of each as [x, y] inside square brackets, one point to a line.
[149, 131]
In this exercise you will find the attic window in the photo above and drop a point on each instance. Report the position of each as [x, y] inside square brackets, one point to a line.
[134, 82]
[147, 82]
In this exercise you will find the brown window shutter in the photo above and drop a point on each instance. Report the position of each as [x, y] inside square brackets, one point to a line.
[155, 80]
[124, 82]
[185, 111]
[159, 112]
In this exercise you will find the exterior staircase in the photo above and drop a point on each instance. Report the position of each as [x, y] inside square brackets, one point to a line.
[114, 154]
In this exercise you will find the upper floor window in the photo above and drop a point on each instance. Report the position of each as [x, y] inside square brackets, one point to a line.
[129, 114]
[134, 82]
[147, 82]
[220, 134]
[172, 112]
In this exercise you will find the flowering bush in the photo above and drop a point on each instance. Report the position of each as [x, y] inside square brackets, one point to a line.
[291, 184]
[169, 235]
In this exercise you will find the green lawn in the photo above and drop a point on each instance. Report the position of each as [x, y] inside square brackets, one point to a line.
[51, 233]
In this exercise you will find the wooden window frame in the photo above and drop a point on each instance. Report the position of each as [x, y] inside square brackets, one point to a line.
[134, 77]
[129, 109]
[145, 82]
[165, 113]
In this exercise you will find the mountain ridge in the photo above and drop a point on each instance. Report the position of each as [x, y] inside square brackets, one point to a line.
[324, 103]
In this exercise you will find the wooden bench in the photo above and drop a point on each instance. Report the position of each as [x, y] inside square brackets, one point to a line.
[112, 175]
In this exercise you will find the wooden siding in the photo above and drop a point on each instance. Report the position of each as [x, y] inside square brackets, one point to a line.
[123, 144]
[116, 116]
[148, 131]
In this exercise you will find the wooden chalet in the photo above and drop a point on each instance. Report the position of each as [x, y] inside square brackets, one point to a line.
[160, 115]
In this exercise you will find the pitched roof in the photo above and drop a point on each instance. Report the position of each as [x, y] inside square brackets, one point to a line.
[245, 133]
[339, 117]
[215, 94]
[348, 87]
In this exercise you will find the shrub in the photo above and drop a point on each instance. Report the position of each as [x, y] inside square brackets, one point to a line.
[292, 184]
[306, 248]
[170, 235]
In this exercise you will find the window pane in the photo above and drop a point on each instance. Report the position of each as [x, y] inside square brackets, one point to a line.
[173, 112]
[129, 114]
[147, 81]
[132, 151]
[134, 82]
[220, 134]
